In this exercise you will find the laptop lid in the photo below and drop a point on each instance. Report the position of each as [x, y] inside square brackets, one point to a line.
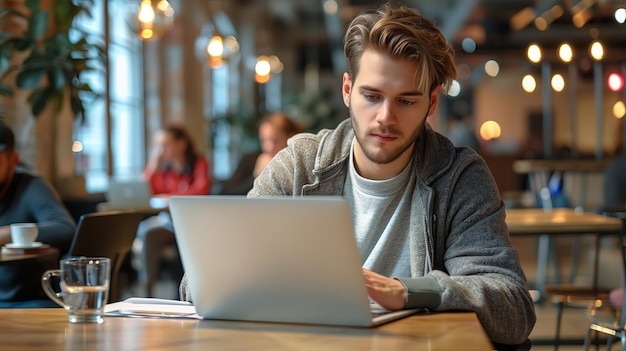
[129, 192]
[273, 259]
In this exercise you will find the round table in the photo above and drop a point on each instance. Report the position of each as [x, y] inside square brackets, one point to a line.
[618, 212]
[24, 268]
[46, 253]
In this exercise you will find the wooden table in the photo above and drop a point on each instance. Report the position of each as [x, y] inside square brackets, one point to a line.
[48, 329]
[45, 254]
[559, 221]
[617, 212]
[562, 221]
[530, 166]
[539, 172]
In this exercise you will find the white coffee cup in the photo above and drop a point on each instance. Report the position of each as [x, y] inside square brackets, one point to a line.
[23, 233]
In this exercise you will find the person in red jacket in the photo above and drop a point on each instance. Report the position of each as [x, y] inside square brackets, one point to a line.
[174, 168]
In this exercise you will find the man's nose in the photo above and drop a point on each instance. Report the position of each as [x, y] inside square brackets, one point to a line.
[386, 113]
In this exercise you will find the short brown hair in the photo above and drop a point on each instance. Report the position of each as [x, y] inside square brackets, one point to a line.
[401, 33]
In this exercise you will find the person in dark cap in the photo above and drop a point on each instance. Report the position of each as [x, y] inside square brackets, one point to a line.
[27, 198]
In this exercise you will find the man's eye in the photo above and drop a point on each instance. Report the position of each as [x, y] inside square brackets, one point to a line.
[406, 102]
[371, 97]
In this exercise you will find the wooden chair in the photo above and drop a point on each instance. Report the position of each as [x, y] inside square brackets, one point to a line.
[615, 325]
[573, 296]
[107, 234]
[607, 320]
[568, 294]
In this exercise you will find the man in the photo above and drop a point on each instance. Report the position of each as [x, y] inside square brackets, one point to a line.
[426, 214]
[25, 198]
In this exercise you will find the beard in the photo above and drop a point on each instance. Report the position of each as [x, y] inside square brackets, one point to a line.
[383, 155]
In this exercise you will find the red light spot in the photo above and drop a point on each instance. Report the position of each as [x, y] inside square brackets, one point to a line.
[616, 82]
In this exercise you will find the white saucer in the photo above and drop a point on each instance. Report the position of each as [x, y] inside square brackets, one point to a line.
[32, 245]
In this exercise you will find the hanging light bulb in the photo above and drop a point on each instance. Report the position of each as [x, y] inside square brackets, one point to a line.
[151, 19]
[534, 53]
[596, 49]
[215, 48]
[529, 84]
[262, 69]
[146, 13]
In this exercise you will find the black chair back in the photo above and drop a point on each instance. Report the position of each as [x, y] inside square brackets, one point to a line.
[107, 234]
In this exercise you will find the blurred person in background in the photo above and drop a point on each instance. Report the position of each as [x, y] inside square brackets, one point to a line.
[174, 168]
[615, 196]
[615, 182]
[26, 198]
[614, 189]
[274, 130]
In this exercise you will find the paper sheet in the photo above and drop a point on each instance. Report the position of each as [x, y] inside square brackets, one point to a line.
[151, 308]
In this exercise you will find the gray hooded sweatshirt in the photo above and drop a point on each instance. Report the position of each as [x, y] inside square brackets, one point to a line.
[460, 251]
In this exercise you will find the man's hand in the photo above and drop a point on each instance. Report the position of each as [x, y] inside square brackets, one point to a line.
[388, 293]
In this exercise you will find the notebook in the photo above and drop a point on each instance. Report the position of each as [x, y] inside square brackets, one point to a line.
[128, 193]
[274, 259]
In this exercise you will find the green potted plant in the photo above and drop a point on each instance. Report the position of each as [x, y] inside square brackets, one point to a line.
[42, 61]
[54, 62]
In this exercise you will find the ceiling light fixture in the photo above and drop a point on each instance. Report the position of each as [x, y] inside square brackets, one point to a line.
[522, 19]
[529, 84]
[596, 50]
[217, 43]
[151, 19]
[566, 54]
[581, 12]
[619, 109]
[558, 83]
[543, 22]
[534, 53]
[620, 15]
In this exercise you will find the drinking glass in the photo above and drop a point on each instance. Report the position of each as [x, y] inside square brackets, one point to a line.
[84, 287]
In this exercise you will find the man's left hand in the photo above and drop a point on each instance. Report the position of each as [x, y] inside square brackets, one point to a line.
[387, 292]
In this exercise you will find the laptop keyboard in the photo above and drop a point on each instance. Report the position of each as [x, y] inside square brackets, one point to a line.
[376, 310]
[378, 313]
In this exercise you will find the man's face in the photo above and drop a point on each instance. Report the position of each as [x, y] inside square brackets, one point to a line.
[388, 111]
[8, 161]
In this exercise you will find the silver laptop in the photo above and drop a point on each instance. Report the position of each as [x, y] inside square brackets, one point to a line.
[129, 193]
[274, 259]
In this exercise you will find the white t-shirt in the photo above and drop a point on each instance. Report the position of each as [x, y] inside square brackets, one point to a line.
[380, 212]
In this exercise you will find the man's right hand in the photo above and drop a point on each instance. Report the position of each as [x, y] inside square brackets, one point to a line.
[387, 292]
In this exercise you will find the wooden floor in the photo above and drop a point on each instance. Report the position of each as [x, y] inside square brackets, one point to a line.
[574, 320]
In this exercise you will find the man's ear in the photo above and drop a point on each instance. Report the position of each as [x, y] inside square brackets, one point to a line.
[434, 100]
[346, 89]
